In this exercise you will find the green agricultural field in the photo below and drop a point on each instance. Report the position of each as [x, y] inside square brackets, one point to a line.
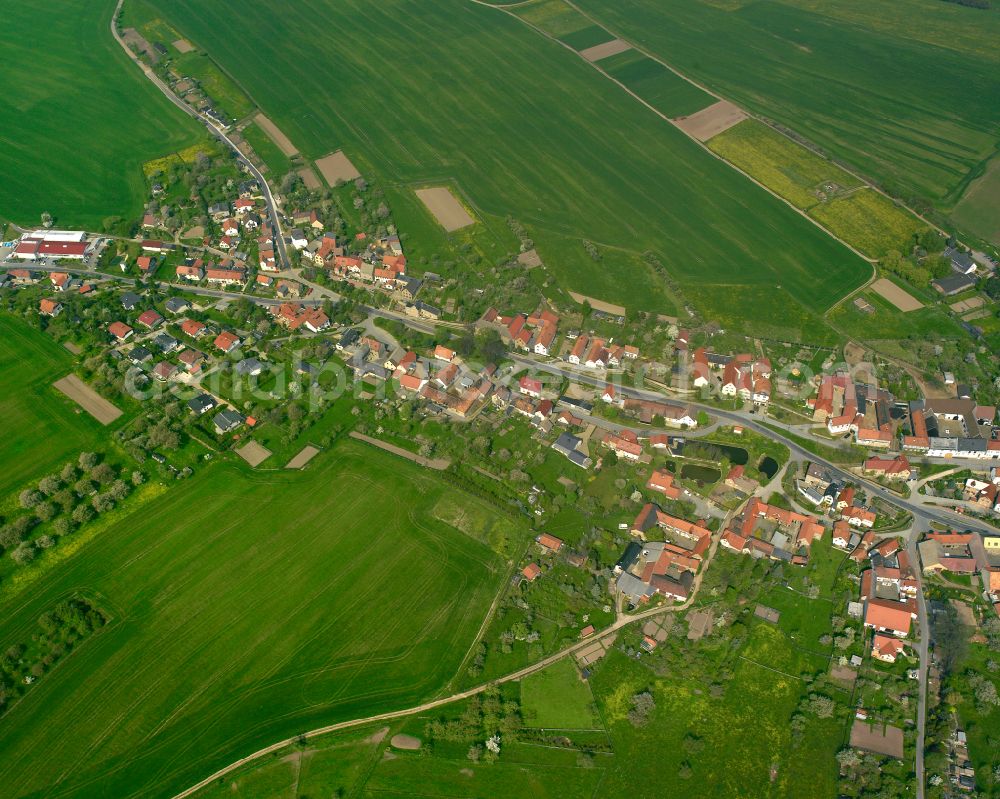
[590, 36]
[870, 221]
[79, 117]
[794, 172]
[667, 92]
[43, 429]
[554, 17]
[535, 142]
[322, 768]
[979, 209]
[270, 153]
[229, 97]
[557, 698]
[246, 607]
[411, 774]
[902, 90]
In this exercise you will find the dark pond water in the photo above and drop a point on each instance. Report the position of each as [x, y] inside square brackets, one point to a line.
[700, 474]
[768, 466]
[737, 455]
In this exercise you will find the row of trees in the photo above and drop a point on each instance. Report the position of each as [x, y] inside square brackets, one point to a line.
[64, 501]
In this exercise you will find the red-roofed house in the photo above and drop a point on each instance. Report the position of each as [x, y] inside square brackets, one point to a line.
[663, 481]
[549, 542]
[530, 386]
[531, 572]
[893, 468]
[887, 616]
[226, 341]
[192, 327]
[886, 648]
[442, 353]
[149, 319]
[120, 330]
[49, 307]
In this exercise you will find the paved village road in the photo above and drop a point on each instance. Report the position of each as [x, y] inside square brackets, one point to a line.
[272, 208]
[920, 512]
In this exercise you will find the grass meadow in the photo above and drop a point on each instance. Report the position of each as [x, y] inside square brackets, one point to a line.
[43, 429]
[557, 698]
[523, 143]
[794, 172]
[870, 221]
[910, 108]
[979, 209]
[79, 117]
[246, 607]
[278, 164]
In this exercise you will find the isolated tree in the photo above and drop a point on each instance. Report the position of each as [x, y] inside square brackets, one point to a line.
[103, 473]
[49, 485]
[45, 511]
[24, 554]
[83, 514]
[29, 498]
[46, 219]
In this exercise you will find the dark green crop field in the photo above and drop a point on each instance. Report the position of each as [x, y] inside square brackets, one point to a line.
[244, 608]
[905, 91]
[42, 428]
[657, 85]
[79, 118]
[525, 128]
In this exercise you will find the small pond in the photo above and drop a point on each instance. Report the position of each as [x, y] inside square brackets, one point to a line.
[768, 466]
[736, 455]
[700, 474]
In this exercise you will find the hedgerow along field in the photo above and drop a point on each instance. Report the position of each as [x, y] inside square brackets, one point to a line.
[904, 91]
[246, 608]
[79, 117]
[42, 428]
[546, 139]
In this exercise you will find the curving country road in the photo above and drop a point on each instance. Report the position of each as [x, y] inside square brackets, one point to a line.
[621, 622]
[272, 208]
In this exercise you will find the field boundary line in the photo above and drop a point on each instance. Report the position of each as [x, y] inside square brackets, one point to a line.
[596, 66]
[806, 144]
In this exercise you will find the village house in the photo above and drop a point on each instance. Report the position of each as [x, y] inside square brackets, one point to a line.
[120, 330]
[897, 468]
[149, 319]
[226, 341]
[764, 530]
[625, 444]
[887, 648]
[49, 307]
[663, 482]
